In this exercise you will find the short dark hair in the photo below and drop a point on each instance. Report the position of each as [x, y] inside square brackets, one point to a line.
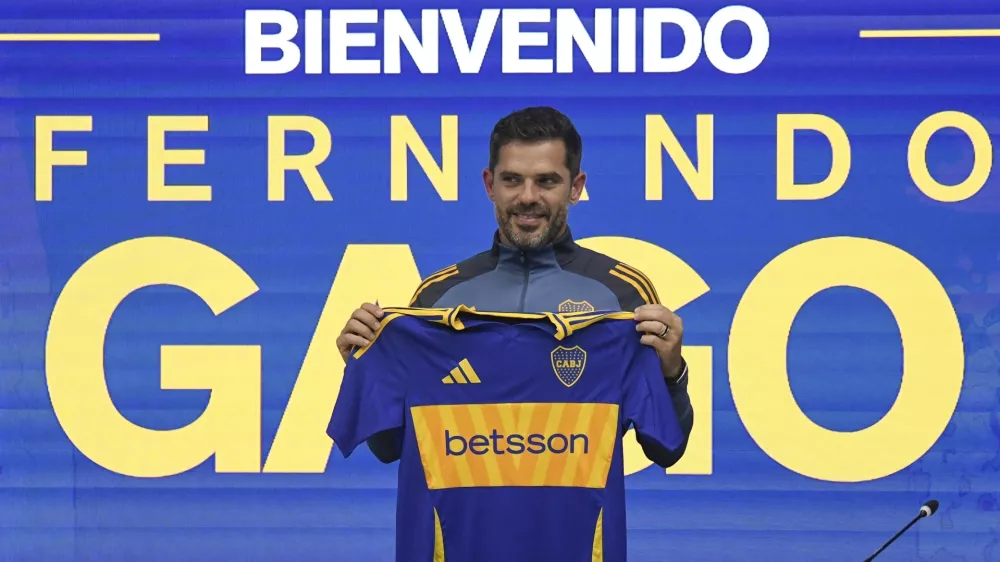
[538, 124]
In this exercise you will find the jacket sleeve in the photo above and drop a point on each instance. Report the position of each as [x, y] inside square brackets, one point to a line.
[685, 413]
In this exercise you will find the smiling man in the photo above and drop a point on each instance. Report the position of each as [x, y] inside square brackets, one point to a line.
[534, 265]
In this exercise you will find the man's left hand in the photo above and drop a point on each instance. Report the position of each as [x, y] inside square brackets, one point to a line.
[664, 332]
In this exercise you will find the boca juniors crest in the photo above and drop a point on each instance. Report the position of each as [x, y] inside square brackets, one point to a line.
[568, 363]
[569, 305]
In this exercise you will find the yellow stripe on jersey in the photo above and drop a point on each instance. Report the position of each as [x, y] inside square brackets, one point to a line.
[591, 316]
[562, 327]
[439, 538]
[452, 318]
[638, 280]
[565, 323]
[581, 322]
[455, 322]
[530, 444]
[597, 553]
[414, 311]
[433, 278]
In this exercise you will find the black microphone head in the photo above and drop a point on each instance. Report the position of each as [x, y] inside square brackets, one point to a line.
[929, 508]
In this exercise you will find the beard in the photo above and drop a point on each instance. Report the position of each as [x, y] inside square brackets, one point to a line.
[524, 238]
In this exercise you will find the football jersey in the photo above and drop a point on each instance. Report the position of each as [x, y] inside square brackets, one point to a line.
[513, 428]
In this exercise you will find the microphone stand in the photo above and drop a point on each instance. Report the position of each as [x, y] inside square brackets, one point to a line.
[896, 536]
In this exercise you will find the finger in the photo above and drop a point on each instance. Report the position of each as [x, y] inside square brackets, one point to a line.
[670, 319]
[674, 318]
[365, 317]
[676, 323]
[650, 326]
[651, 312]
[373, 309]
[655, 342]
[644, 312]
[359, 328]
[668, 339]
[351, 340]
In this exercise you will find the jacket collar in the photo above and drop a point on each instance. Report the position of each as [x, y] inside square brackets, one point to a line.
[561, 251]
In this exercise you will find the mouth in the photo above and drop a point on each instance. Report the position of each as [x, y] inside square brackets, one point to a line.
[528, 219]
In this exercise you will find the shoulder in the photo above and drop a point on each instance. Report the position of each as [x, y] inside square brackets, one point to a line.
[402, 334]
[435, 285]
[631, 286]
[387, 337]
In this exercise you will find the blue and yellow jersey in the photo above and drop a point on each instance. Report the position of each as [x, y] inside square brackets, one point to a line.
[513, 427]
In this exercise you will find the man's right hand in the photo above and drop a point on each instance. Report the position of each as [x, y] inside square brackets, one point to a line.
[360, 329]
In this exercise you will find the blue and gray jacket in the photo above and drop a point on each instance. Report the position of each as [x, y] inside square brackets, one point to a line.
[560, 277]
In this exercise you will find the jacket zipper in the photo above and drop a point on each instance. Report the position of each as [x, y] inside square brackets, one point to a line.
[524, 287]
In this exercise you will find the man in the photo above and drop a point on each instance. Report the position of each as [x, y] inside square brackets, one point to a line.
[534, 266]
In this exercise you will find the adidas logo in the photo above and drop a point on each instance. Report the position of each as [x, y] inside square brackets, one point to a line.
[462, 374]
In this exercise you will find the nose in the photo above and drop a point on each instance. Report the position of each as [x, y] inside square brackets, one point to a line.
[530, 193]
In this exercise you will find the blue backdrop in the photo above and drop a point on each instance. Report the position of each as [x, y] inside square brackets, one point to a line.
[845, 358]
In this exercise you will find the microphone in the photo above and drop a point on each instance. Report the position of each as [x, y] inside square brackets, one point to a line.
[926, 510]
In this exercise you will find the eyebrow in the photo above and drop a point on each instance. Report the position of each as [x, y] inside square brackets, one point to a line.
[549, 175]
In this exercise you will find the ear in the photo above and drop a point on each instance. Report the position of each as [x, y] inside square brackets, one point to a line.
[576, 190]
[488, 182]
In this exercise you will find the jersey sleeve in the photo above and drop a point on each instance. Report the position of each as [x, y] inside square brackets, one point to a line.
[372, 394]
[646, 402]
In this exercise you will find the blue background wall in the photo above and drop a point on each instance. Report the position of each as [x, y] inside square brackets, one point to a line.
[845, 357]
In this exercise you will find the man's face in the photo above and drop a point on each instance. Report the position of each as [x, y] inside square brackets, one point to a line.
[532, 190]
